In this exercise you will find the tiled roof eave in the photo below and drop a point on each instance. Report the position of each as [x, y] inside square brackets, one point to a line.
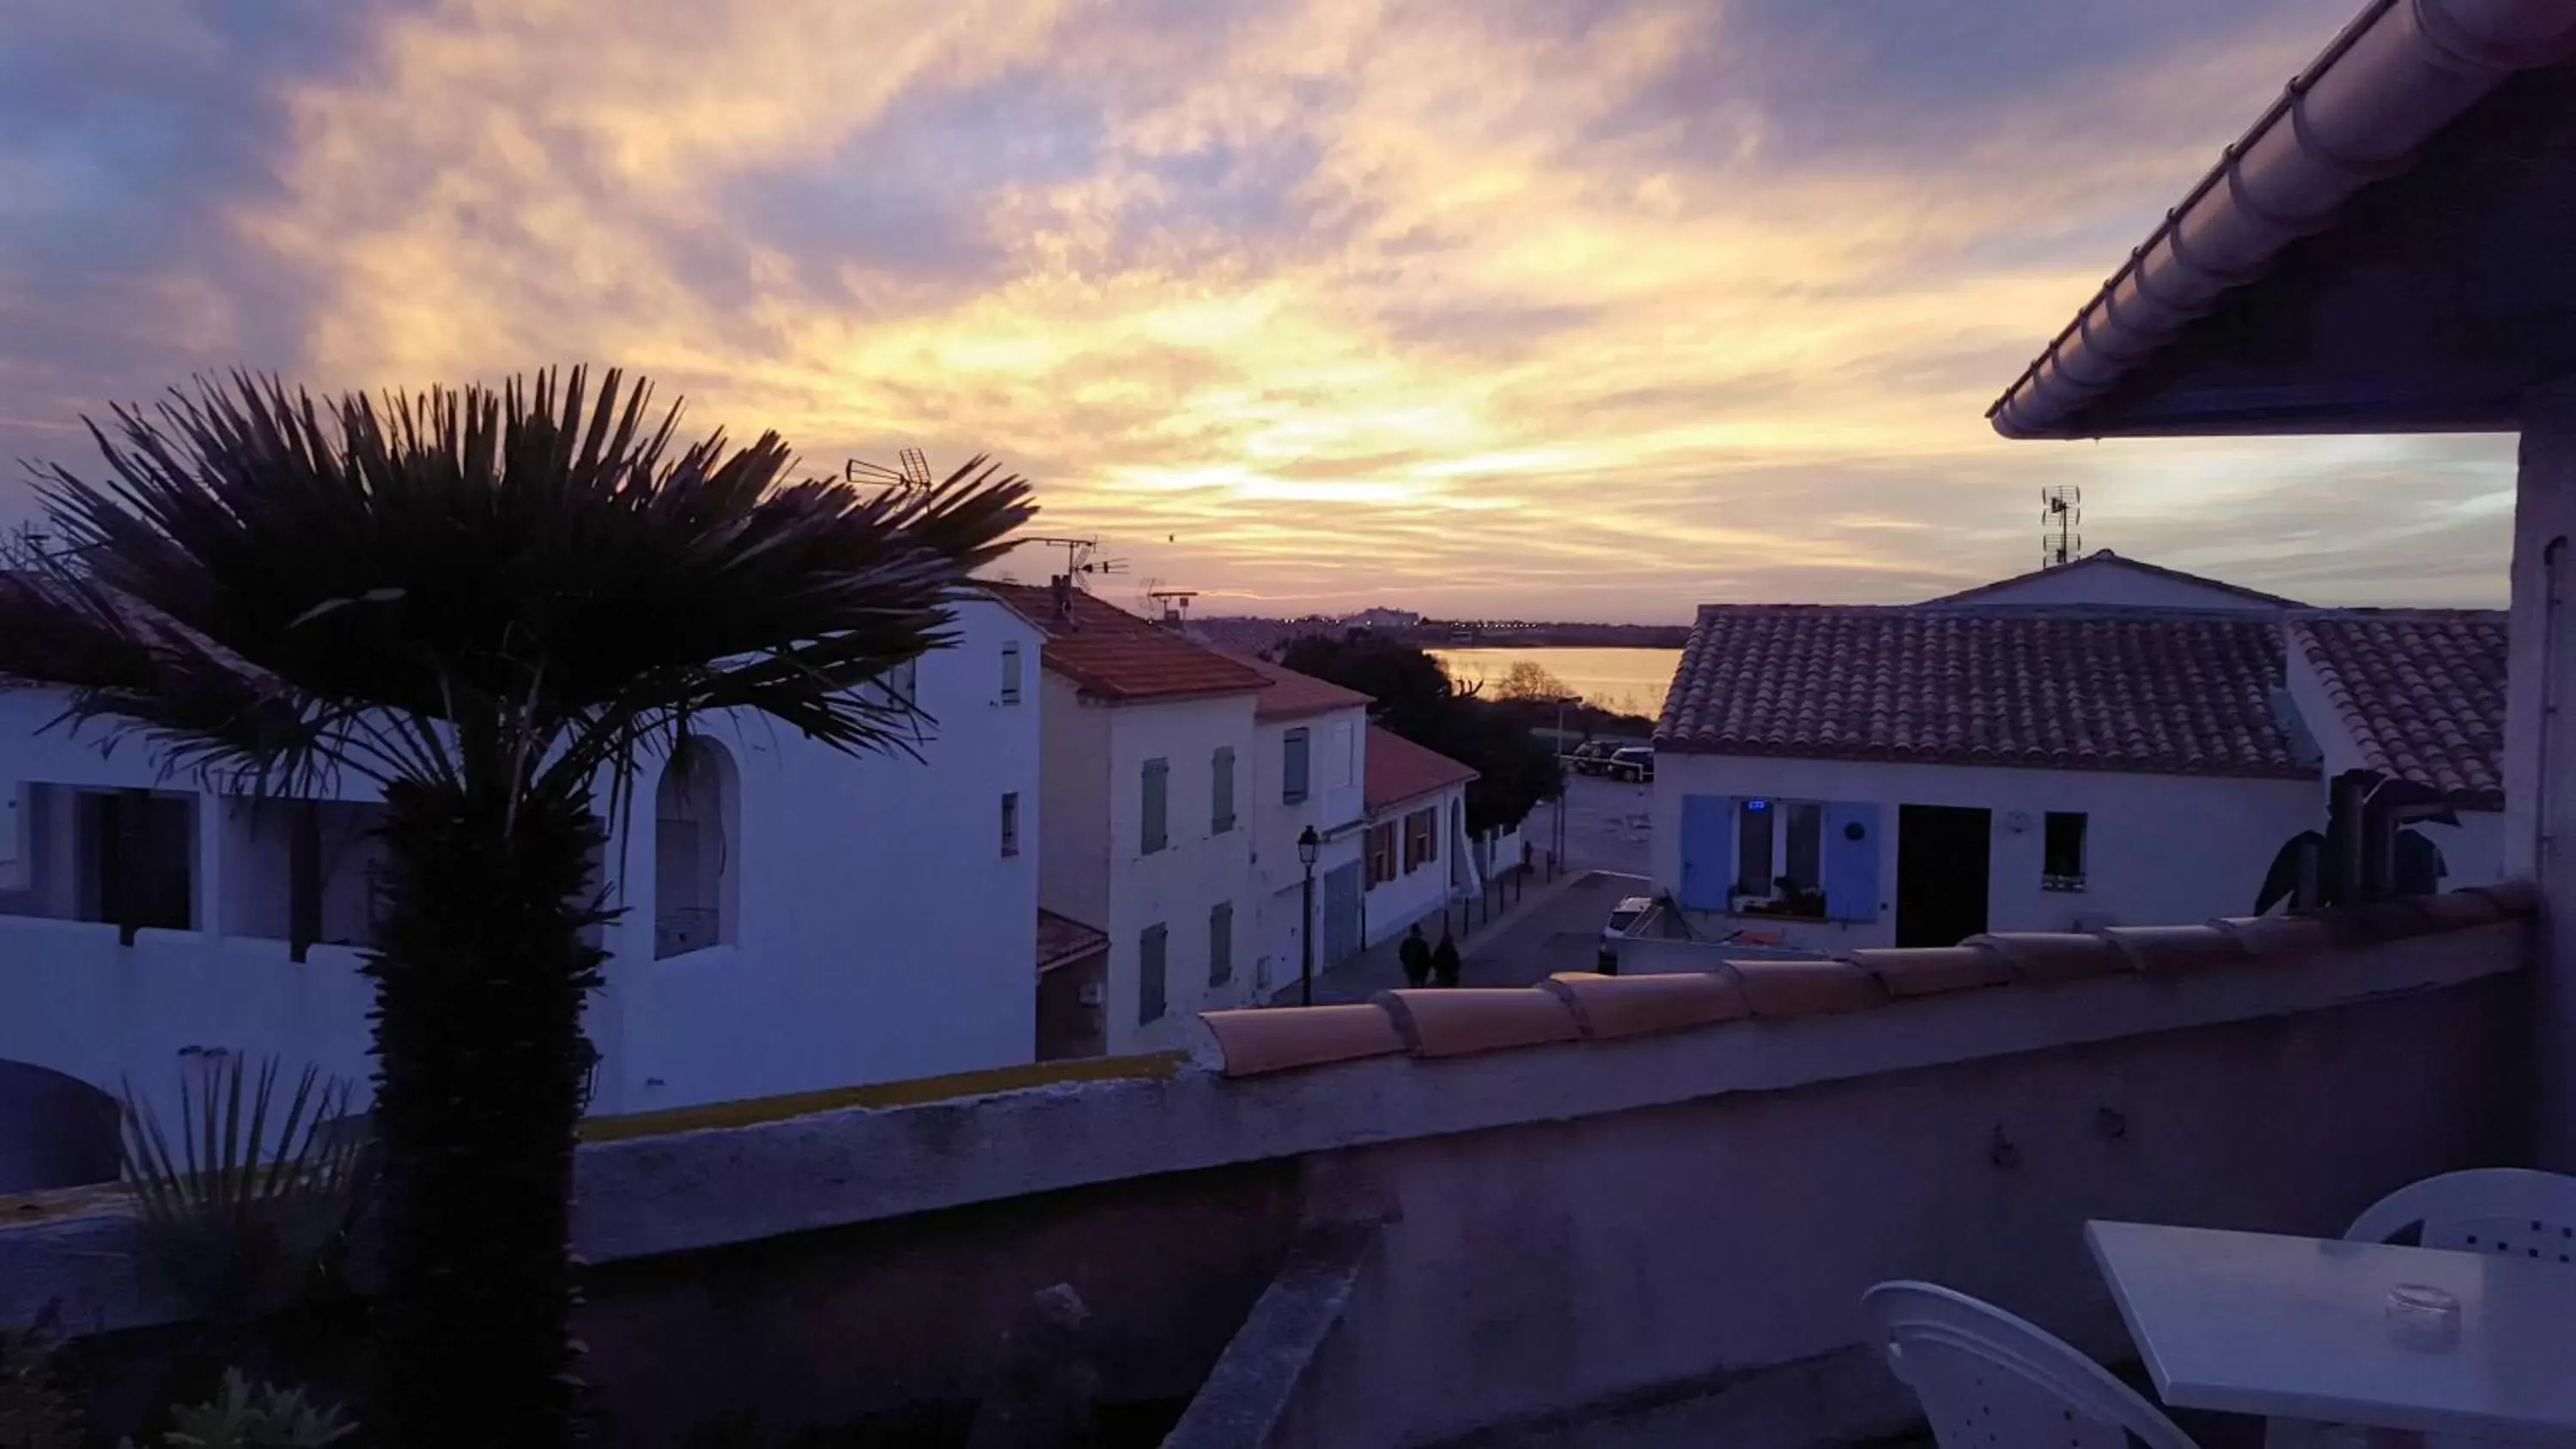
[1994, 760]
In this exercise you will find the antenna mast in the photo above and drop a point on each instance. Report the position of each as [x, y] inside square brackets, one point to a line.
[1082, 559]
[913, 476]
[2060, 509]
[1174, 604]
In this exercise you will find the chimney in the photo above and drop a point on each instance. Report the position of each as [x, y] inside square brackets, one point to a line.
[1063, 586]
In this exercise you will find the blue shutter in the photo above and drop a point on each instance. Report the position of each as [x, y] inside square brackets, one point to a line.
[1708, 851]
[1293, 767]
[1149, 975]
[1157, 795]
[1221, 817]
[1851, 864]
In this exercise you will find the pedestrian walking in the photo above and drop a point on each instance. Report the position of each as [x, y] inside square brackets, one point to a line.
[1444, 961]
[1415, 956]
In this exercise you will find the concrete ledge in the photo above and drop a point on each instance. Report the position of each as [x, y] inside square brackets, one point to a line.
[1248, 1393]
[649, 1195]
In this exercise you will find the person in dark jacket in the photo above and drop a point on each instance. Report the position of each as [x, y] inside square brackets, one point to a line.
[1444, 961]
[1415, 956]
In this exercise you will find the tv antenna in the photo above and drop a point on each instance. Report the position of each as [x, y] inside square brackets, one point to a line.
[2060, 509]
[1082, 559]
[912, 476]
[1172, 604]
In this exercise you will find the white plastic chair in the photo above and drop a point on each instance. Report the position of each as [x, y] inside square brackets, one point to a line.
[2508, 1210]
[1988, 1380]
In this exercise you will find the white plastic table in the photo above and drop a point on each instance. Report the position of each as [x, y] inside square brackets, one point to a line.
[2297, 1329]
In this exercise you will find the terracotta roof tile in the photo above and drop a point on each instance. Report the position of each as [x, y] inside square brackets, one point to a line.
[2105, 558]
[2421, 694]
[1259, 1040]
[2158, 691]
[2053, 955]
[1062, 940]
[1581, 1006]
[1605, 1007]
[2172, 950]
[1927, 970]
[1110, 654]
[1806, 988]
[1457, 1020]
[1292, 695]
[1400, 770]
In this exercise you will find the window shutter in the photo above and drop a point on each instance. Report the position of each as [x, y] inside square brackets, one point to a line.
[1221, 943]
[1851, 862]
[1010, 674]
[1222, 812]
[1149, 975]
[1293, 767]
[1708, 851]
[1157, 796]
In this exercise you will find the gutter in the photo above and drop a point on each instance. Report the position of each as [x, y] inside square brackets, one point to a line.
[2399, 73]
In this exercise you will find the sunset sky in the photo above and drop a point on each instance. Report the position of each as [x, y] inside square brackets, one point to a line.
[1543, 308]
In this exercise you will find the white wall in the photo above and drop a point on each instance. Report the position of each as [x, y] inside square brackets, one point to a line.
[882, 934]
[2113, 584]
[1396, 904]
[1073, 771]
[2160, 849]
[2472, 851]
[1336, 767]
[1179, 884]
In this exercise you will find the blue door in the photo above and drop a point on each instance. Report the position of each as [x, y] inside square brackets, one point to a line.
[1341, 939]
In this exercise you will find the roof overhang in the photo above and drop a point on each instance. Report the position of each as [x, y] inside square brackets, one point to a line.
[2387, 250]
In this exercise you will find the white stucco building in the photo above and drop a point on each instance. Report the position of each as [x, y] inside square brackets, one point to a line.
[793, 918]
[1309, 752]
[1417, 850]
[1148, 748]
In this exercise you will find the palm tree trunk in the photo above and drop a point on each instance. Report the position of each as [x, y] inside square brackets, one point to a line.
[481, 967]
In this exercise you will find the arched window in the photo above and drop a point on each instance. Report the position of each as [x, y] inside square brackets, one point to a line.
[696, 845]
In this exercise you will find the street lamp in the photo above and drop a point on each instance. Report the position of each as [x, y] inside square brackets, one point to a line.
[1309, 845]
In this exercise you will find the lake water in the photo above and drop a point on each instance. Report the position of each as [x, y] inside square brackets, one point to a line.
[1632, 681]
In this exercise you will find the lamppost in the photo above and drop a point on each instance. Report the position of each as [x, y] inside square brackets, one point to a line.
[1309, 844]
[1557, 857]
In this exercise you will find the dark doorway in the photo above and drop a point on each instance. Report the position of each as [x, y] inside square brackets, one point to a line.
[1941, 857]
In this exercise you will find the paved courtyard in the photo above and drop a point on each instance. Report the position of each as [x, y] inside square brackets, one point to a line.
[1605, 825]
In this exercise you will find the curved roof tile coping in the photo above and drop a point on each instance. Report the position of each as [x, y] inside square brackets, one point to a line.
[1256, 1041]
[1926, 970]
[2053, 955]
[1438, 1022]
[2171, 950]
[1806, 988]
[1605, 1007]
[1580, 1005]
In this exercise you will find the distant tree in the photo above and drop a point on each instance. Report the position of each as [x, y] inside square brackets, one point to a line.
[1417, 699]
[1529, 679]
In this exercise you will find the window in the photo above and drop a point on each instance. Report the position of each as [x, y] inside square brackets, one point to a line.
[1221, 943]
[2061, 865]
[694, 827]
[1421, 839]
[903, 682]
[1010, 674]
[1753, 828]
[1802, 826]
[1149, 976]
[135, 847]
[1338, 749]
[1381, 853]
[1779, 857]
[1221, 791]
[1292, 767]
[1011, 822]
[1158, 775]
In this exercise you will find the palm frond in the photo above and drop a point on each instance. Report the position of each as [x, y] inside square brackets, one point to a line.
[269, 584]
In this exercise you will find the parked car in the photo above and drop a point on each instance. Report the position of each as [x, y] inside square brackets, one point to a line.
[1592, 757]
[1635, 763]
[1623, 918]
